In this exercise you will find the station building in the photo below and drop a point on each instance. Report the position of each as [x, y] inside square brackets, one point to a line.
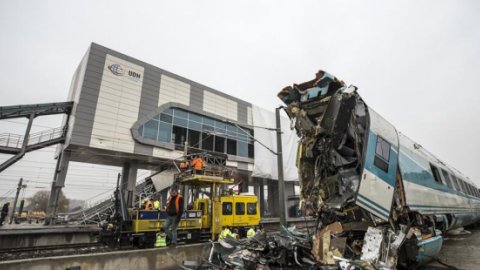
[132, 114]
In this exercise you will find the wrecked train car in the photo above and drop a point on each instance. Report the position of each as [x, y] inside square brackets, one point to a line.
[382, 200]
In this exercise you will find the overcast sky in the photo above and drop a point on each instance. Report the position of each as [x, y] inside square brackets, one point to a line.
[417, 63]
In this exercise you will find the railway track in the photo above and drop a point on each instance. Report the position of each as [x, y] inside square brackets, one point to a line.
[51, 250]
[6, 254]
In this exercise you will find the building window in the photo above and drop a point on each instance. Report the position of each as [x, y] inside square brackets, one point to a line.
[231, 147]
[150, 130]
[179, 135]
[242, 149]
[226, 208]
[207, 141]
[219, 144]
[193, 138]
[251, 153]
[240, 208]
[165, 133]
[176, 126]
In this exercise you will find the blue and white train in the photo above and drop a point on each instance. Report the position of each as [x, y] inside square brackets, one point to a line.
[394, 199]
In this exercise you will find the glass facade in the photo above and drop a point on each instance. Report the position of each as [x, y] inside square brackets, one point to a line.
[176, 126]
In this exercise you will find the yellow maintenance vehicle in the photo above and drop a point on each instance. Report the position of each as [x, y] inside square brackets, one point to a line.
[210, 205]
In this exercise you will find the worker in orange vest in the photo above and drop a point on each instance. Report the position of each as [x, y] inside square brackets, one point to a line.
[183, 165]
[198, 164]
[174, 209]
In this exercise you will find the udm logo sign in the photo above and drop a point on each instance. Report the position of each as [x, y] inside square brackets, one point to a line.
[118, 70]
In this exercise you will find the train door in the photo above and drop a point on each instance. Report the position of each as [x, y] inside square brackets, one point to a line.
[239, 219]
[380, 163]
[227, 210]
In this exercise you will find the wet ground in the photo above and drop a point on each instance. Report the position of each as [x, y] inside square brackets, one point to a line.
[460, 251]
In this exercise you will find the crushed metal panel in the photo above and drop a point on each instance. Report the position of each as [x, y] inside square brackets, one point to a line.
[372, 245]
[321, 247]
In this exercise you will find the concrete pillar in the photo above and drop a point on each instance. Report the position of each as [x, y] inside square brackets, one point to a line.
[128, 182]
[289, 192]
[273, 198]
[57, 185]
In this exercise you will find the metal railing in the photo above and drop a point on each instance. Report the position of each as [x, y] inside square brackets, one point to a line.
[16, 141]
[97, 209]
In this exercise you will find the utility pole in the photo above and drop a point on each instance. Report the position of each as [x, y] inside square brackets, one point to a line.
[20, 186]
[281, 183]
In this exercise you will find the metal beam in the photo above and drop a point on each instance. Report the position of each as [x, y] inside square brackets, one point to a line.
[7, 112]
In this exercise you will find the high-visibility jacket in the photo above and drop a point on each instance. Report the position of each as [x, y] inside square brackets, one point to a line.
[156, 205]
[161, 240]
[197, 163]
[183, 165]
[250, 233]
[148, 205]
[177, 203]
[223, 234]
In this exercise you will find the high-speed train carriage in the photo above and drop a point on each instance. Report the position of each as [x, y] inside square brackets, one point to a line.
[431, 187]
[357, 169]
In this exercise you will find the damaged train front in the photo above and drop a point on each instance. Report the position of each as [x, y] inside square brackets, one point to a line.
[348, 165]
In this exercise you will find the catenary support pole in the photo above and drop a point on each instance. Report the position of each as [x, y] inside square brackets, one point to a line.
[281, 183]
[12, 215]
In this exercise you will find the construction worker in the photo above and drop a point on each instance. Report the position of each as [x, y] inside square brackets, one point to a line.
[157, 205]
[148, 204]
[174, 209]
[224, 233]
[4, 213]
[183, 165]
[251, 232]
[235, 234]
[161, 240]
[198, 164]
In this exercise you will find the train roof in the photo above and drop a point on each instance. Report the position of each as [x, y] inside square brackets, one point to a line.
[418, 149]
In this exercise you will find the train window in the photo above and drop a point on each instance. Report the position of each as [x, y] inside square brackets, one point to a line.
[226, 208]
[382, 154]
[239, 208]
[436, 174]
[464, 186]
[453, 183]
[251, 208]
[470, 190]
[383, 149]
[460, 183]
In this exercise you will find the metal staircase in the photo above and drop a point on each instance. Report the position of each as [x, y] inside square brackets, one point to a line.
[95, 212]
